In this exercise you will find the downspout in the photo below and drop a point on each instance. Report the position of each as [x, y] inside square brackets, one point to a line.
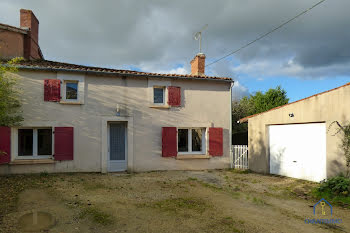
[230, 143]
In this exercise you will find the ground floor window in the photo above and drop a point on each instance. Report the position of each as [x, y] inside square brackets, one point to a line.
[35, 142]
[191, 140]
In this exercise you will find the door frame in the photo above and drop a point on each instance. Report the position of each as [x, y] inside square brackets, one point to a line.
[129, 138]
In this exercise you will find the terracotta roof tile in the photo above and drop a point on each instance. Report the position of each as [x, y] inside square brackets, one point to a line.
[59, 66]
[12, 28]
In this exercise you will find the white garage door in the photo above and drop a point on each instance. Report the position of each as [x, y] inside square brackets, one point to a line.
[298, 150]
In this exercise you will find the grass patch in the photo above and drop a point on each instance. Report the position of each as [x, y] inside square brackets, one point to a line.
[44, 174]
[259, 201]
[335, 190]
[97, 216]
[235, 195]
[192, 179]
[331, 197]
[211, 186]
[226, 224]
[182, 204]
[90, 186]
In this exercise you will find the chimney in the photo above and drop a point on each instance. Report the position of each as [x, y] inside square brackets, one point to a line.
[198, 65]
[31, 40]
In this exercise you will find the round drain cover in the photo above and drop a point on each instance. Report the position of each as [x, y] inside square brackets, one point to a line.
[36, 221]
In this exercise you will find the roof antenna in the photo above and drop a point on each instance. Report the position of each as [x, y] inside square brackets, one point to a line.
[198, 36]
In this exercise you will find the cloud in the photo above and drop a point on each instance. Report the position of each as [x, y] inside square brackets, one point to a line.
[157, 35]
[239, 91]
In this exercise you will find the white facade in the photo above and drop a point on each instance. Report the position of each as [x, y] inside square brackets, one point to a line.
[106, 99]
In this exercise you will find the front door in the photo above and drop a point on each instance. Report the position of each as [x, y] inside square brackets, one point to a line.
[117, 159]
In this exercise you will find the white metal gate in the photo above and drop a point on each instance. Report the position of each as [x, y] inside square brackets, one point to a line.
[240, 156]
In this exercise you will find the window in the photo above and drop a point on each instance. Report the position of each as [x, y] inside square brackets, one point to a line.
[196, 140]
[158, 95]
[71, 90]
[182, 140]
[25, 142]
[35, 142]
[191, 140]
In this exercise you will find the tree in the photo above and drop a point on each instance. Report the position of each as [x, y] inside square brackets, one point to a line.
[10, 105]
[272, 98]
[257, 103]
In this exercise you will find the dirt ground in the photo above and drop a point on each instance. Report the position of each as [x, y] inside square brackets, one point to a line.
[173, 201]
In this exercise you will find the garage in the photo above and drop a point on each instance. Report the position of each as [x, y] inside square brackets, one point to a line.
[301, 139]
[298, 150]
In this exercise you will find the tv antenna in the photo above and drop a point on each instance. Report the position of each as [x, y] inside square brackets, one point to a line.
[198, 36]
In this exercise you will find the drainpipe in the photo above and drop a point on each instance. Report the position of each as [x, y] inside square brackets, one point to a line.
[230, 143]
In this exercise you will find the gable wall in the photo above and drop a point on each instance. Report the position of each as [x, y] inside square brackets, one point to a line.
[11, 44]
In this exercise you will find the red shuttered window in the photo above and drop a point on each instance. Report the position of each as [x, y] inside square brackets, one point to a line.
[64, 143]
[216, 141]
[52, 90]
[5, 144]
[174, 96]
[169, 143]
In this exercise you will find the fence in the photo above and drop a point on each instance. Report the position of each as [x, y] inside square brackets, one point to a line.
[240, 156]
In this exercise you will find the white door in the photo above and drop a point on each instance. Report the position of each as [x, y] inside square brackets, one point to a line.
[117, 159]
[298, 150]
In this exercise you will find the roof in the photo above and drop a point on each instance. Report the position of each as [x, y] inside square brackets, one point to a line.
[12, 28]
[60, 66]
[246, 118]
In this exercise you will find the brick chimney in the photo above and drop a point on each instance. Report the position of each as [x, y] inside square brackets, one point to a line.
[31, 40]
[198, 65]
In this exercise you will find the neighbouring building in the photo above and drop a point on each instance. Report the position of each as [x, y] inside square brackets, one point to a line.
[301, 139]
[91, 119]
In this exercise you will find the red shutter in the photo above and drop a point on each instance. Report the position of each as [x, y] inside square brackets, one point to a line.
[64, 144]
[52, 90]
[5, 144]
[169, 142]
[216, 141]
[174, 96]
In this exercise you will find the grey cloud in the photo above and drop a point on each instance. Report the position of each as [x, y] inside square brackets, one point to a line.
[157, 35]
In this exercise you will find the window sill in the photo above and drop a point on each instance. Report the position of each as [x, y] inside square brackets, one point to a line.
[32, 161]
[160, 106]
[73, 103]
[192, 156]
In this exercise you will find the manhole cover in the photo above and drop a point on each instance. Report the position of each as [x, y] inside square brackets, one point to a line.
[36, 221]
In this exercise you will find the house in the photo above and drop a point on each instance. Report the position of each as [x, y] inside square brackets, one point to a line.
[91, 119]
[301, 139]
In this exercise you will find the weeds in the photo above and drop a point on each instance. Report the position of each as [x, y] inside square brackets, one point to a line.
[336, 189]
[259, 201]
[96, 215]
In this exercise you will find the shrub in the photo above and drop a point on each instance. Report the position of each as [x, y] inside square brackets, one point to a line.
[336, 190]
[338, 185]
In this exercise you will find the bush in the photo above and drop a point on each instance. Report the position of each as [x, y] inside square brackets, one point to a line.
[338, 185]
[335, 190]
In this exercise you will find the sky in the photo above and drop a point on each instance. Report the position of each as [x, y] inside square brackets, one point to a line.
[307, 56]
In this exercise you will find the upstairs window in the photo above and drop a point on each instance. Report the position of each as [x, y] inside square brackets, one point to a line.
[71, 90]
[158, 95]
[191, 140]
